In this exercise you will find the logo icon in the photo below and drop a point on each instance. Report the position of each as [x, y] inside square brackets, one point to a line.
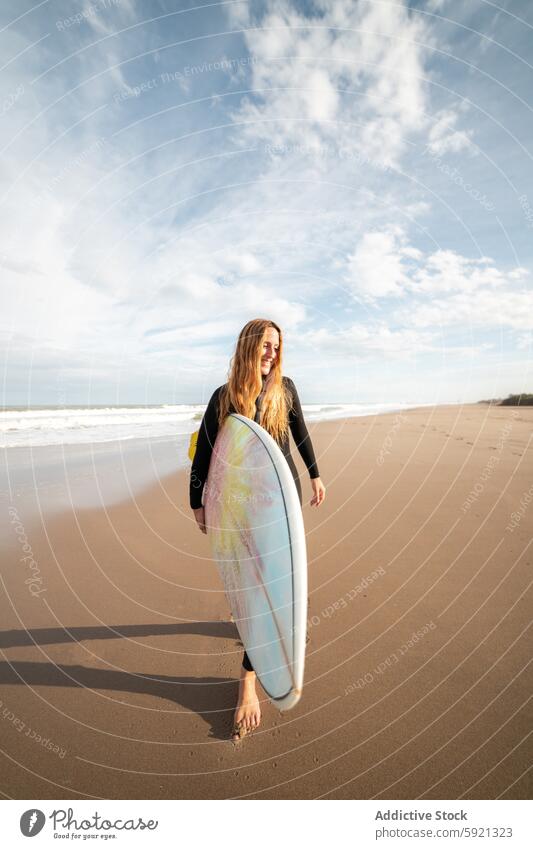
[31, 822]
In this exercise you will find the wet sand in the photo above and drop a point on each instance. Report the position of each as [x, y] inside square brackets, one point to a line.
[120, 665]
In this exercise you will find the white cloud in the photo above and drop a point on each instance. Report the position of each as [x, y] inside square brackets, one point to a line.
[448, 271]
[375, 269]
[302, 64]
[436, 5]
[445, 138]
[369, 340]
[384, 265]
[322, 100]
[242, 262]
[480, 308]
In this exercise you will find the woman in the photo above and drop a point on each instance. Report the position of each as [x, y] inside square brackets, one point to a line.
[256, 389]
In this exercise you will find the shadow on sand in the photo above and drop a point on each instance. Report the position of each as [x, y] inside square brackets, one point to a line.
[211, 697]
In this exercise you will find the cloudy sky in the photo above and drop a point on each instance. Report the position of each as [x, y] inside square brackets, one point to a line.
[360, 171]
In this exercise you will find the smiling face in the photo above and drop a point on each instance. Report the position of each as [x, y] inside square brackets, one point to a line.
[270, 350]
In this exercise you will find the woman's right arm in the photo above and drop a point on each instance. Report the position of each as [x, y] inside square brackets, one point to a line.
[204, 448]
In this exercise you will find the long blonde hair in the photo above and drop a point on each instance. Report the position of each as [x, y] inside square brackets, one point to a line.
[245, 381]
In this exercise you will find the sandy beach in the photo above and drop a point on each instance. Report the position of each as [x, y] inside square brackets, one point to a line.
[120, 663]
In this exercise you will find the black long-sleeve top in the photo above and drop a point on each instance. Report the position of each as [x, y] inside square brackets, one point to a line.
[209, 429]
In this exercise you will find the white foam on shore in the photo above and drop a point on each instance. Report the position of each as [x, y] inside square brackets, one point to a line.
[88, 425]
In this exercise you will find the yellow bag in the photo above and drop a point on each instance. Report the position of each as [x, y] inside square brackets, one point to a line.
[192, 445]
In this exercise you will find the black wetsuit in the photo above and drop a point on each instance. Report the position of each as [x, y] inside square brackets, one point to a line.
[206, 440]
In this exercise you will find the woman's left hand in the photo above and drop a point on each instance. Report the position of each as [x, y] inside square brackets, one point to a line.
[319, 492]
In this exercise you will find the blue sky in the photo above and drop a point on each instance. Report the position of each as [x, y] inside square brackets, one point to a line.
[361, 172]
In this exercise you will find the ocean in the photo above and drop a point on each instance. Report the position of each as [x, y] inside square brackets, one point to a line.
[70, 458]
[53, 425]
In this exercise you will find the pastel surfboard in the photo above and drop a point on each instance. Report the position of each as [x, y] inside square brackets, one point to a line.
[256, 531]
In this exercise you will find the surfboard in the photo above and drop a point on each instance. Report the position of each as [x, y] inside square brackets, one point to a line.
[255, 526]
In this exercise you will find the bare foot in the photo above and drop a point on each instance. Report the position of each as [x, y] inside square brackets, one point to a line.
[247, 713]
